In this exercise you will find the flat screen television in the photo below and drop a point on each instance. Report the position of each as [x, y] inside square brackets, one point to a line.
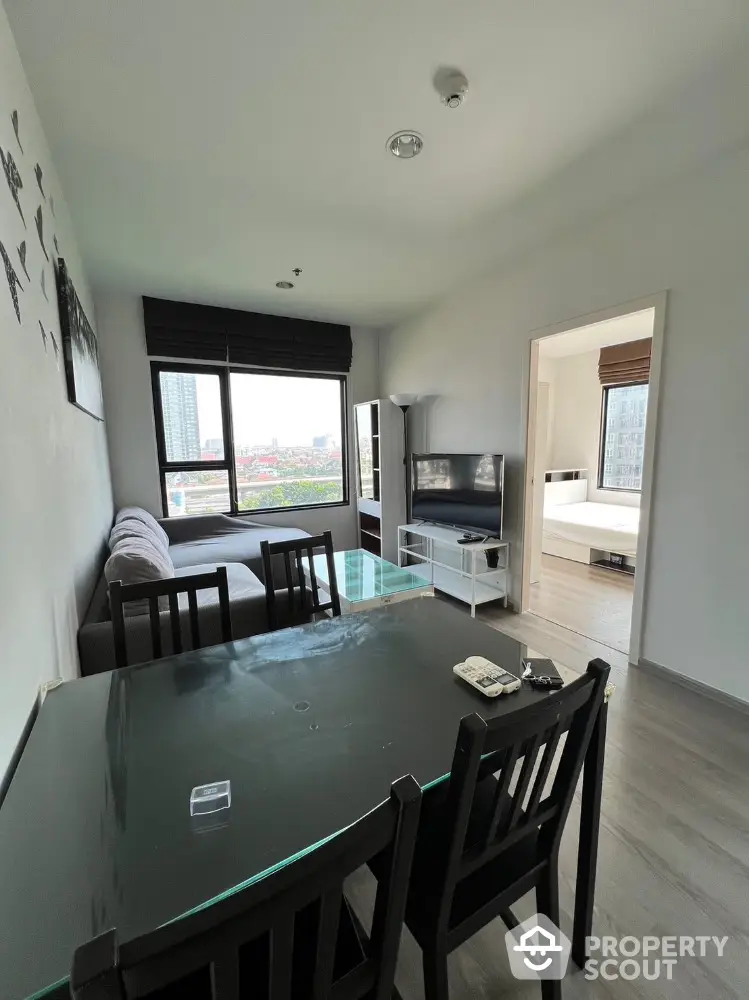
[463, 491]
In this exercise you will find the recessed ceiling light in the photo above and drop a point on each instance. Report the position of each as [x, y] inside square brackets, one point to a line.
[285, 285]
[405, 145]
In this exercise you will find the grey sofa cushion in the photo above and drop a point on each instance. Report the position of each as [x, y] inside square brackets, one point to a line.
[217, 538]
[138, 514]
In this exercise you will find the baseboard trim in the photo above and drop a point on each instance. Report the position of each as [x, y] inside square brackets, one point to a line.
[20, 746]
[699, 687]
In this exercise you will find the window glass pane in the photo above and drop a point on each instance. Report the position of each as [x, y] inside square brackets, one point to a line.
[288, 440]
[624, 437]
[197, 492]
[191, 405]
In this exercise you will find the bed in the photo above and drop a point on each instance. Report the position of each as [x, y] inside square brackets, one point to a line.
[573, 526]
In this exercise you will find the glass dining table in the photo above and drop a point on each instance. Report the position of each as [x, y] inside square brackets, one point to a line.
[147, 792]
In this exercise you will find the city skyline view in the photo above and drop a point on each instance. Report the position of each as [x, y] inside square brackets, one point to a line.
[286, 435]
[293, 412]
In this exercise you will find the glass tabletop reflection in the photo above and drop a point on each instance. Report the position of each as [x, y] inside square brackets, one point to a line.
[310, 726]
[363, 576]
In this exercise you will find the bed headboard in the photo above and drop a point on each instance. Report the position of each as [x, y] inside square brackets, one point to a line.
[568, 491]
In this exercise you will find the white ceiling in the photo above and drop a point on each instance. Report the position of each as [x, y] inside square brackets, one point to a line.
[634, 326]
[207, 147]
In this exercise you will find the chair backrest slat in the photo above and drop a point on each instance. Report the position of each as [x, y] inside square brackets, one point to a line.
[531, 742]
[153, 612]
[266, 914]
[290, 582]
[192, 603]
[297, 556]
[327, 938]
[501, 804]
[225, 976]
[552, 742]
[282, 955]
[151, 593]
[175, 623]
[313, 578]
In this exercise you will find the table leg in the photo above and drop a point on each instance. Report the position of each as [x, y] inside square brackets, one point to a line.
[587, 852]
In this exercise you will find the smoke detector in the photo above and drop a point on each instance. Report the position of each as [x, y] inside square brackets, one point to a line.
[451, 85]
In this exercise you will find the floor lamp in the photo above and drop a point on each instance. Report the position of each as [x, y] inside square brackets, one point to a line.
[405, 401]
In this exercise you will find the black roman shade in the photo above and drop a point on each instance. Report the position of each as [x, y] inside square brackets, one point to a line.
[210, 333]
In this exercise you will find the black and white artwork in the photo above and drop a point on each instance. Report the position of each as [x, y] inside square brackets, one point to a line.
[14, 119]
[14, 282]
[44, 336]
[44, 285]
[57, 246]
[40, 229]
[80, 349]
[52, 205]
[13, 178]
[22, 258]
[38, 174]
[54, 344]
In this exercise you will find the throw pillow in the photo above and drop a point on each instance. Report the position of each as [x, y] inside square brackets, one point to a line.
[148, 519]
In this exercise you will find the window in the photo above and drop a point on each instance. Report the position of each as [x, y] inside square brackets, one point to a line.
[623, 437]
[239, 440]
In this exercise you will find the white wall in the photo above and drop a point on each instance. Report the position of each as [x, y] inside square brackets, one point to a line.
[56, 501]
[126, 377]
[472, 351]
[576, 429]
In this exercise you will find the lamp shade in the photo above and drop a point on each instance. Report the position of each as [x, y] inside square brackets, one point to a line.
[404, 398]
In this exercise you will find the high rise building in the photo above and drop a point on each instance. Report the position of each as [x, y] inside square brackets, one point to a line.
[179, 401]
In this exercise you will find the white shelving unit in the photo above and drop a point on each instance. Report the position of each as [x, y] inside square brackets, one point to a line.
[432, 552]
[381, 475]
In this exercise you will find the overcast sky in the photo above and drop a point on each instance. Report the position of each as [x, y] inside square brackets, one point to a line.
[294, 410]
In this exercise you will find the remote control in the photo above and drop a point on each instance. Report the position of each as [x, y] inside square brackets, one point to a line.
[486, 676]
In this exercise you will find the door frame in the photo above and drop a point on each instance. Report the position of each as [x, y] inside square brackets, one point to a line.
[658, 303]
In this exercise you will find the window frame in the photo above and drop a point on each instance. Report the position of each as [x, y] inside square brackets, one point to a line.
[228, 463]
[602, 437]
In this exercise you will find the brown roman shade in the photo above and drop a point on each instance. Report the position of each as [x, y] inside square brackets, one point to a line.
[625, 364]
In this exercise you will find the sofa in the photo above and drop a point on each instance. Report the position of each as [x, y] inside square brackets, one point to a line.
[143, 548]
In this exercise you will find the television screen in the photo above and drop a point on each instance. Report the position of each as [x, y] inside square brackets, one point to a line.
[464, 491]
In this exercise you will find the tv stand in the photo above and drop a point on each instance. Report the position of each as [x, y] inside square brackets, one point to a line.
[441, 556]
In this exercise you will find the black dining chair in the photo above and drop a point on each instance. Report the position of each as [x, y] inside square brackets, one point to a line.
[298, 565]
[260, 941]
[153, 592]
[485, 839]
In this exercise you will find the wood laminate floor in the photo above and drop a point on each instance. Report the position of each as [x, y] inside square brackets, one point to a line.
[674, 849]
[587, 599]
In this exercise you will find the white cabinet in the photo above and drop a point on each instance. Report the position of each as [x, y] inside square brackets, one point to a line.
[380, 476]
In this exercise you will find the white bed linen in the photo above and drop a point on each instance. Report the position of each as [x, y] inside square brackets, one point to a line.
[598, 525]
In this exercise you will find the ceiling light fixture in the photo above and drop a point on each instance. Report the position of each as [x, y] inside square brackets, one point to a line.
[285, 285]
[406, 144]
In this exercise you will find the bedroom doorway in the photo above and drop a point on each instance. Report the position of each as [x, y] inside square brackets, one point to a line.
[589, 460]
